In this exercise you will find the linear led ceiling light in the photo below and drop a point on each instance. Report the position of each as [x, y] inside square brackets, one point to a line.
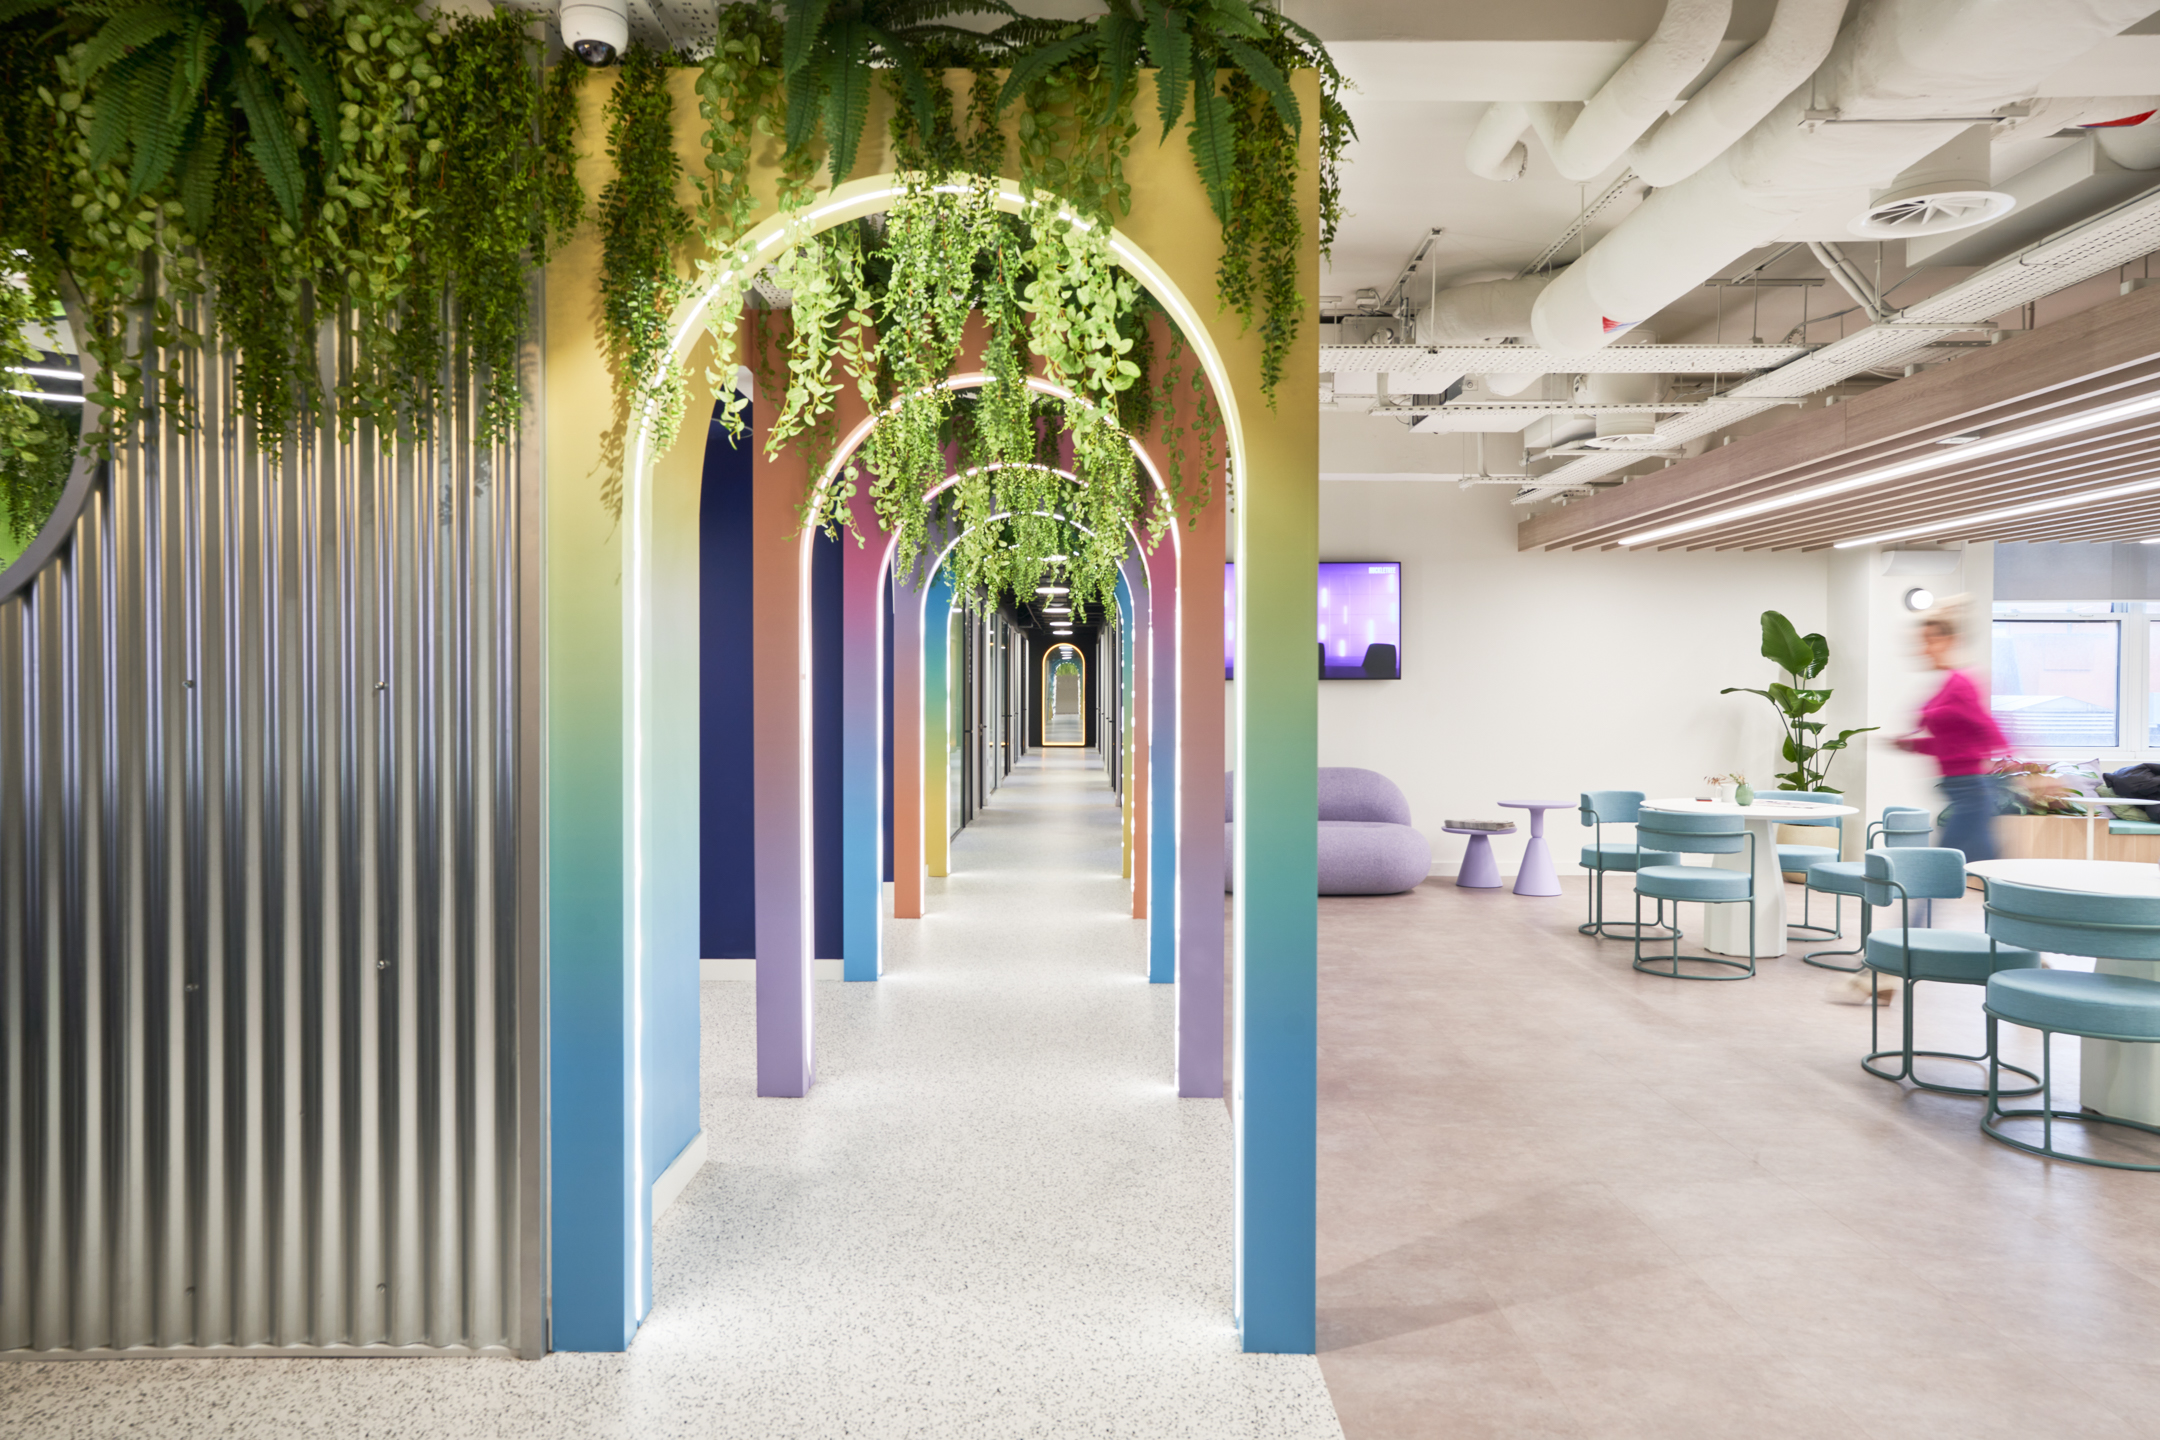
[1989, 517]
[1949, 455]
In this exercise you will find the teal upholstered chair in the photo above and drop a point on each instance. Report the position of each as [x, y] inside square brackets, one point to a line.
[2070, 1002]
[1901, 826]
[1918, 955]
[1802, 859]
[1679, 834]
[1614, 807]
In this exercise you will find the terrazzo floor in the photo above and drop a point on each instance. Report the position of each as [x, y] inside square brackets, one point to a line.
[992, 1217]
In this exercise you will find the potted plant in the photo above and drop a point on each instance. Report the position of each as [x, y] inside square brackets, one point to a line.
[1743, 793]
[1802, 658]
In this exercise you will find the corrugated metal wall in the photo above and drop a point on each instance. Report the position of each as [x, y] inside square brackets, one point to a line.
[269, 1019]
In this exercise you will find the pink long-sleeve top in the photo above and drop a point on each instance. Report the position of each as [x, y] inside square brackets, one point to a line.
[1960, 733]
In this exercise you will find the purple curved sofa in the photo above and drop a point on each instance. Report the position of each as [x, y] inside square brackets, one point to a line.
[1367, 844]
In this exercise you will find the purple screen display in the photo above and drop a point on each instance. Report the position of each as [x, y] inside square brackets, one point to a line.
[1360, 620]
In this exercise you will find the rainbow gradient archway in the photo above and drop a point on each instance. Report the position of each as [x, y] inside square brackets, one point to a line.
[619, 826]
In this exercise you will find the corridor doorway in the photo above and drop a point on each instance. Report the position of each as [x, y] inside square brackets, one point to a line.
[1064, 686]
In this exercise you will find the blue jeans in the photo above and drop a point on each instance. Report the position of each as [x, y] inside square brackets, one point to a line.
[1969, 822]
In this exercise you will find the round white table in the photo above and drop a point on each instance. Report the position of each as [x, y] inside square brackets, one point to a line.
[1725, 930]
[2113, 1078]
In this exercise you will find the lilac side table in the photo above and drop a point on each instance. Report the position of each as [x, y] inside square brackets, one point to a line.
[1536, 876]
[1479, 871]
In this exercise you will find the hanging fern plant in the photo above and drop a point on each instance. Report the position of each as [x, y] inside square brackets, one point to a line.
[268, 167]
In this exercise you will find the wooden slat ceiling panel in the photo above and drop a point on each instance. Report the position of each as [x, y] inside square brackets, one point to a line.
[2103, 356]
[2058, 403]
[2092, 461]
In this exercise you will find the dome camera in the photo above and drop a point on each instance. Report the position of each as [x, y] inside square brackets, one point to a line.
[596, 30]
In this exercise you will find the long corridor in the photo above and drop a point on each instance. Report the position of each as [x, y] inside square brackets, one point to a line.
[991, 1218]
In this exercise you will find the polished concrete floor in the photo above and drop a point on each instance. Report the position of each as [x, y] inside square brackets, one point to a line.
[993, 1217]
[1558, 1198]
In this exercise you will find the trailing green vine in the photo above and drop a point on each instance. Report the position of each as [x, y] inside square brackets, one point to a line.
[642, 230]
[502, 192]
[255, 169]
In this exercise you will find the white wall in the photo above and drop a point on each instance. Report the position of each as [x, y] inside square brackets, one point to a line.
[1538, 675]
[1877, 671]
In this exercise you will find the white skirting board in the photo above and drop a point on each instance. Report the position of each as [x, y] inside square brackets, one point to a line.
[747, 969]
[670, 1185]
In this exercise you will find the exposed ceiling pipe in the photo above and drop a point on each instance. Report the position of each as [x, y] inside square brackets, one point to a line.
[1840, 268]
[1750, 85]
[2091, 247]
[1585, 139]
[1909, 62]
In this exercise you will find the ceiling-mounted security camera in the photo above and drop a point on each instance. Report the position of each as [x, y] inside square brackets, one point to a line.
[596, 30]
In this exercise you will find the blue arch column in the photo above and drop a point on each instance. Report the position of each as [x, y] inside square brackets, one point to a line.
[937, 608]
[865, 819]
[1162, 721]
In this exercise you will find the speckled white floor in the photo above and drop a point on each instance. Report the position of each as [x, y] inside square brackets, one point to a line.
[991, 1218]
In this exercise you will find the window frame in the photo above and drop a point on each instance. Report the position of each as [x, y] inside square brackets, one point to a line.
[2135, 714]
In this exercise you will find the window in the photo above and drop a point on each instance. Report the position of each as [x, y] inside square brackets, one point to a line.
[2078, 678]
[2057, 683]
[2152, 678]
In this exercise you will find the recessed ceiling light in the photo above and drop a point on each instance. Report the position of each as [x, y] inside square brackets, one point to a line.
[1052, 590]
[1992, 445]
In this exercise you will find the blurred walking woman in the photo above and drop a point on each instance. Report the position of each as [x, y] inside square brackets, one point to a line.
[1956, 728]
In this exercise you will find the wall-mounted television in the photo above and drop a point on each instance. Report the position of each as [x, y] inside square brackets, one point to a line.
[1360, 620]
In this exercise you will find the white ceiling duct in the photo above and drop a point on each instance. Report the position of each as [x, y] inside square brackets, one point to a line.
[1484, 313]
[1585, 139]
[1488, 312]
[1800, 35]
[2134, 147]
[2089, 248]
[1904, 79]
[1949, 189]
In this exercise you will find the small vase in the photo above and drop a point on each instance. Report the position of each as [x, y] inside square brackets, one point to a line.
[1724, 791]
[1744, 795]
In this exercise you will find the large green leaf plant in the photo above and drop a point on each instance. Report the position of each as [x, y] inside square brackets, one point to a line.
[1803, 658]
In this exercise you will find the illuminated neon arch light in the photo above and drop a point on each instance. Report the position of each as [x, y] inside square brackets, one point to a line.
[764, 243]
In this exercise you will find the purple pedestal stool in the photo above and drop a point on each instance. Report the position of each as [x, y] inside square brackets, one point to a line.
[1537, 876]
[1479, 871]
